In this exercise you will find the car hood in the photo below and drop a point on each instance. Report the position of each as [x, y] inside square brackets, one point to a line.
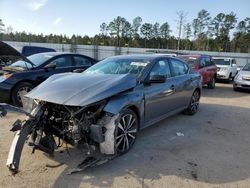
[80, 89]
[244, 73]
[8, 51]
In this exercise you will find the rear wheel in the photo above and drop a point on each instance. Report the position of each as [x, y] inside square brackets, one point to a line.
[193, 104]
[19, 91]
[126, 131]
[211, 84]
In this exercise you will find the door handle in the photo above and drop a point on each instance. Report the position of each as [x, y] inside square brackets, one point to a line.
[169, 91]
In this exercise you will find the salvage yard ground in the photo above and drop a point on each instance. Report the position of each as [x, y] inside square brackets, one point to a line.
[212, 151]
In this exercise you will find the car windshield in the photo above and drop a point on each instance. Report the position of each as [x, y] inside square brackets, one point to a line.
[192, 61]
[36, 59]
[118, 66]
[246, 67]
[221, 62]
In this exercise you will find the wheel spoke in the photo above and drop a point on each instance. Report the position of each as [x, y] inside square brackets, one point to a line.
[121, 127]
[127, 143]
[119, 136]
[131, 135]
[124, 121]
[121, 139]
[131, 124]
[132, 131]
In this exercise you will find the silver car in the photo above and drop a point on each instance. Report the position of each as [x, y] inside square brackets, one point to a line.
[242, 79]
[103, 108]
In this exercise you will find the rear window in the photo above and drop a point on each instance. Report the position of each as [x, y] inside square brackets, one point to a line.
[191, 61]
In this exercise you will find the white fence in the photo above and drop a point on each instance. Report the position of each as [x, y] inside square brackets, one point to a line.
[101, 52]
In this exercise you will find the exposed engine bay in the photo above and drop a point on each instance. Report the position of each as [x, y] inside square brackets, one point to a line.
[86, 127]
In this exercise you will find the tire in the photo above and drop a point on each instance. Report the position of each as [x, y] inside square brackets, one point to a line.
[229, 78]
[193, 104]
[235, 88]
[23, 87]
[126, 131]
[211, 85]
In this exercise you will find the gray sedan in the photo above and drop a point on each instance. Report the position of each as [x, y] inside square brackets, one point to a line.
[103, 108]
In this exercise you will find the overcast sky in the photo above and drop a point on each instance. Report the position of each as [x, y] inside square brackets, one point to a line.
[84, 17]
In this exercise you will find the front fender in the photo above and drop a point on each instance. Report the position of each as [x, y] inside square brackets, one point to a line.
[125, 100]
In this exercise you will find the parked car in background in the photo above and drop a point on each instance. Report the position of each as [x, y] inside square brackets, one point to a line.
[104, 107]
[204, 65]
[23, 75]
[226, 68]
[242, 79]
[30, 50]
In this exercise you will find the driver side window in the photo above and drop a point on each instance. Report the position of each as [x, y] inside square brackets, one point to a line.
[161, 68]
[62, 62]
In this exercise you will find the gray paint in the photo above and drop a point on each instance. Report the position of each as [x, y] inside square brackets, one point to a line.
[152, 101]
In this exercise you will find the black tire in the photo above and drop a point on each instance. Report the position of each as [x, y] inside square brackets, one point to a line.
[235, 88]
[229, 78]
[193, 104]
[15, 95]
[126, 131]
[211, 85]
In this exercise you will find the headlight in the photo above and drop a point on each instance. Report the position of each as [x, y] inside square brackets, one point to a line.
[6, 76]
[223, 68]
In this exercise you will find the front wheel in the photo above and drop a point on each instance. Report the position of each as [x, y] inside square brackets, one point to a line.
[126, 131]
[19, 91]
[193, 104]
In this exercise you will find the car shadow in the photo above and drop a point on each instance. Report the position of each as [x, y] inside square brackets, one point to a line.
[214, 148]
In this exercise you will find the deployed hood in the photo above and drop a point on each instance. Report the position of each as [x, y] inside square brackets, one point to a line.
[80, 89]
[6, 51]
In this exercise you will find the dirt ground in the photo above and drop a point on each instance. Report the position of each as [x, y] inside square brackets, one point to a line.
[214, 152]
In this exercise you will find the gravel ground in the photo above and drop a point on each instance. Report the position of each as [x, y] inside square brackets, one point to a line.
[214, 152]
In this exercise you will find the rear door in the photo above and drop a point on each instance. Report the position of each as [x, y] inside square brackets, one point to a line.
[182, 82]
[81, 62]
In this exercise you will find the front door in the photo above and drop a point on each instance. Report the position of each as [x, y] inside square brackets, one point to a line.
[159, 97]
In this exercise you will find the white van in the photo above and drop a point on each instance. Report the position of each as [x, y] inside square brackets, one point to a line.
[226, 68]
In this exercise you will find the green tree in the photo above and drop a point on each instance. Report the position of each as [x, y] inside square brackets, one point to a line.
[165, 33]
[147, 32]
[116, 28]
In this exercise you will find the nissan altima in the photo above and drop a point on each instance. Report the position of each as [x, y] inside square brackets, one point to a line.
[103, 108]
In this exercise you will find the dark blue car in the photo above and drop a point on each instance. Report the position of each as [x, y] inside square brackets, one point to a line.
[24, 74]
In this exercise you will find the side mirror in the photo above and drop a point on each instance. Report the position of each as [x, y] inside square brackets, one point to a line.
[157, 79]
[50, 66]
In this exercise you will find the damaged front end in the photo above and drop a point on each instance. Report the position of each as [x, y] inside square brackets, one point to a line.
[88, 128]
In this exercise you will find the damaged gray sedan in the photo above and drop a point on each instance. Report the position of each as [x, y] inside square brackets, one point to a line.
[103, 108]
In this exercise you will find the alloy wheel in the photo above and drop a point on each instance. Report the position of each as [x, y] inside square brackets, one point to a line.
[195, 102]
[21, 92]
[126, 132]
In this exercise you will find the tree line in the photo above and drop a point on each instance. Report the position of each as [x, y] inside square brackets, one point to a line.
[224, 32]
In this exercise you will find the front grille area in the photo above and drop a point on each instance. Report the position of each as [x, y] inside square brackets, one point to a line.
[245, 86]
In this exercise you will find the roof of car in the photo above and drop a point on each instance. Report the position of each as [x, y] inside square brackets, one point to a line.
[148, 57]
[192, 55]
